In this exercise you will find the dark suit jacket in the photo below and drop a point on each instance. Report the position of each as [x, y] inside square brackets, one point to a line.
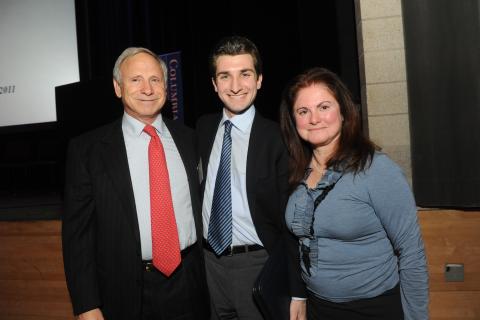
[101, 238]
[267, 184]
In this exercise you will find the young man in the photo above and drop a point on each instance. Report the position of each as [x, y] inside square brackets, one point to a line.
[244, 186]
[132, 228]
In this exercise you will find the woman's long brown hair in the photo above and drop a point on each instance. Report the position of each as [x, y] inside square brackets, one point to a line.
[354, 150]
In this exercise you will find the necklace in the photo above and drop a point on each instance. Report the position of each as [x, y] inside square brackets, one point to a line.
[317, 167]
[316, 174]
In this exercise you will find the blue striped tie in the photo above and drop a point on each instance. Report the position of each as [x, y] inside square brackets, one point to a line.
[220, 227]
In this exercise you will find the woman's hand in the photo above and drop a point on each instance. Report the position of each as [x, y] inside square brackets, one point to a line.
[298, 310]
[94, 314]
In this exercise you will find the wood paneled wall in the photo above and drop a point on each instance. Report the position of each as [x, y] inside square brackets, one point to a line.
[32, 282]
[452, 237]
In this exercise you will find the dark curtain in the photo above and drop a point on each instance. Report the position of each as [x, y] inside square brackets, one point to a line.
[442, 41]
[291, 36]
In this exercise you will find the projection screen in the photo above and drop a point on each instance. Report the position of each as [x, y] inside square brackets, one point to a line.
[38, 51]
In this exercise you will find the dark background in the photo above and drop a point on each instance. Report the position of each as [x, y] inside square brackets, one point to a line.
[442, 44]
[443, 72]
[291, 37]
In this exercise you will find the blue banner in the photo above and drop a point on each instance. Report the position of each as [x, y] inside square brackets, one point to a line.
[175, 83]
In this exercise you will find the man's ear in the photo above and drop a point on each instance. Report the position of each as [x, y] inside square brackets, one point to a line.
[214, 85]
[118, 90]
[259, 81]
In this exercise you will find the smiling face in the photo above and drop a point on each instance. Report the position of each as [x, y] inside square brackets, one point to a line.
[236, 82]
[317, 116]
[142, 87]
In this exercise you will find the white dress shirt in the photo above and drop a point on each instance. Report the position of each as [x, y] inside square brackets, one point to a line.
[242, 224]
[136, 142]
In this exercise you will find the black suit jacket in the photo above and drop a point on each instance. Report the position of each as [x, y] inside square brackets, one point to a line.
[101, 237]
[267, 185]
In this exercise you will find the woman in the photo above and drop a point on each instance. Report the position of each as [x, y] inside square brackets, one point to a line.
[361, 252]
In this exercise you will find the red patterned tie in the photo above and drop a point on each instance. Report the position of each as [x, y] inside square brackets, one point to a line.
[165, 244]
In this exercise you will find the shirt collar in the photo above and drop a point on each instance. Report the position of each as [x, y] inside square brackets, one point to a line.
[243, 121]
[330, 177]
[135, 127]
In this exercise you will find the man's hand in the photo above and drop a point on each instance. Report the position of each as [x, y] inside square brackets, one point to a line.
[298, 310]
[94, 314]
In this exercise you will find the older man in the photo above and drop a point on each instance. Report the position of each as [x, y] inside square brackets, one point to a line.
[132, 226]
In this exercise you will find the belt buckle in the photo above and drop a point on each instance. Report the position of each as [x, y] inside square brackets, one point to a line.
[230, 251]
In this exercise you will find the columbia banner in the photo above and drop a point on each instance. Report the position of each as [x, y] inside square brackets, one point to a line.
[174, 86]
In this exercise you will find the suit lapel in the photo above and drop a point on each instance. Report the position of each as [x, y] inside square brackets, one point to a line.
[252, 173]
[114, 155]
[206, 144]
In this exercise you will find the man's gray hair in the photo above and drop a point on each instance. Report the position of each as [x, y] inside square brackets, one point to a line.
[129, 52]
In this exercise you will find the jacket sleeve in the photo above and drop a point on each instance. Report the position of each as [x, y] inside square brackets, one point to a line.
[78, 232]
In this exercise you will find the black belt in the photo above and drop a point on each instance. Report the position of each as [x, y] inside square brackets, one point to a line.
[230, 251]
[148, 264]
